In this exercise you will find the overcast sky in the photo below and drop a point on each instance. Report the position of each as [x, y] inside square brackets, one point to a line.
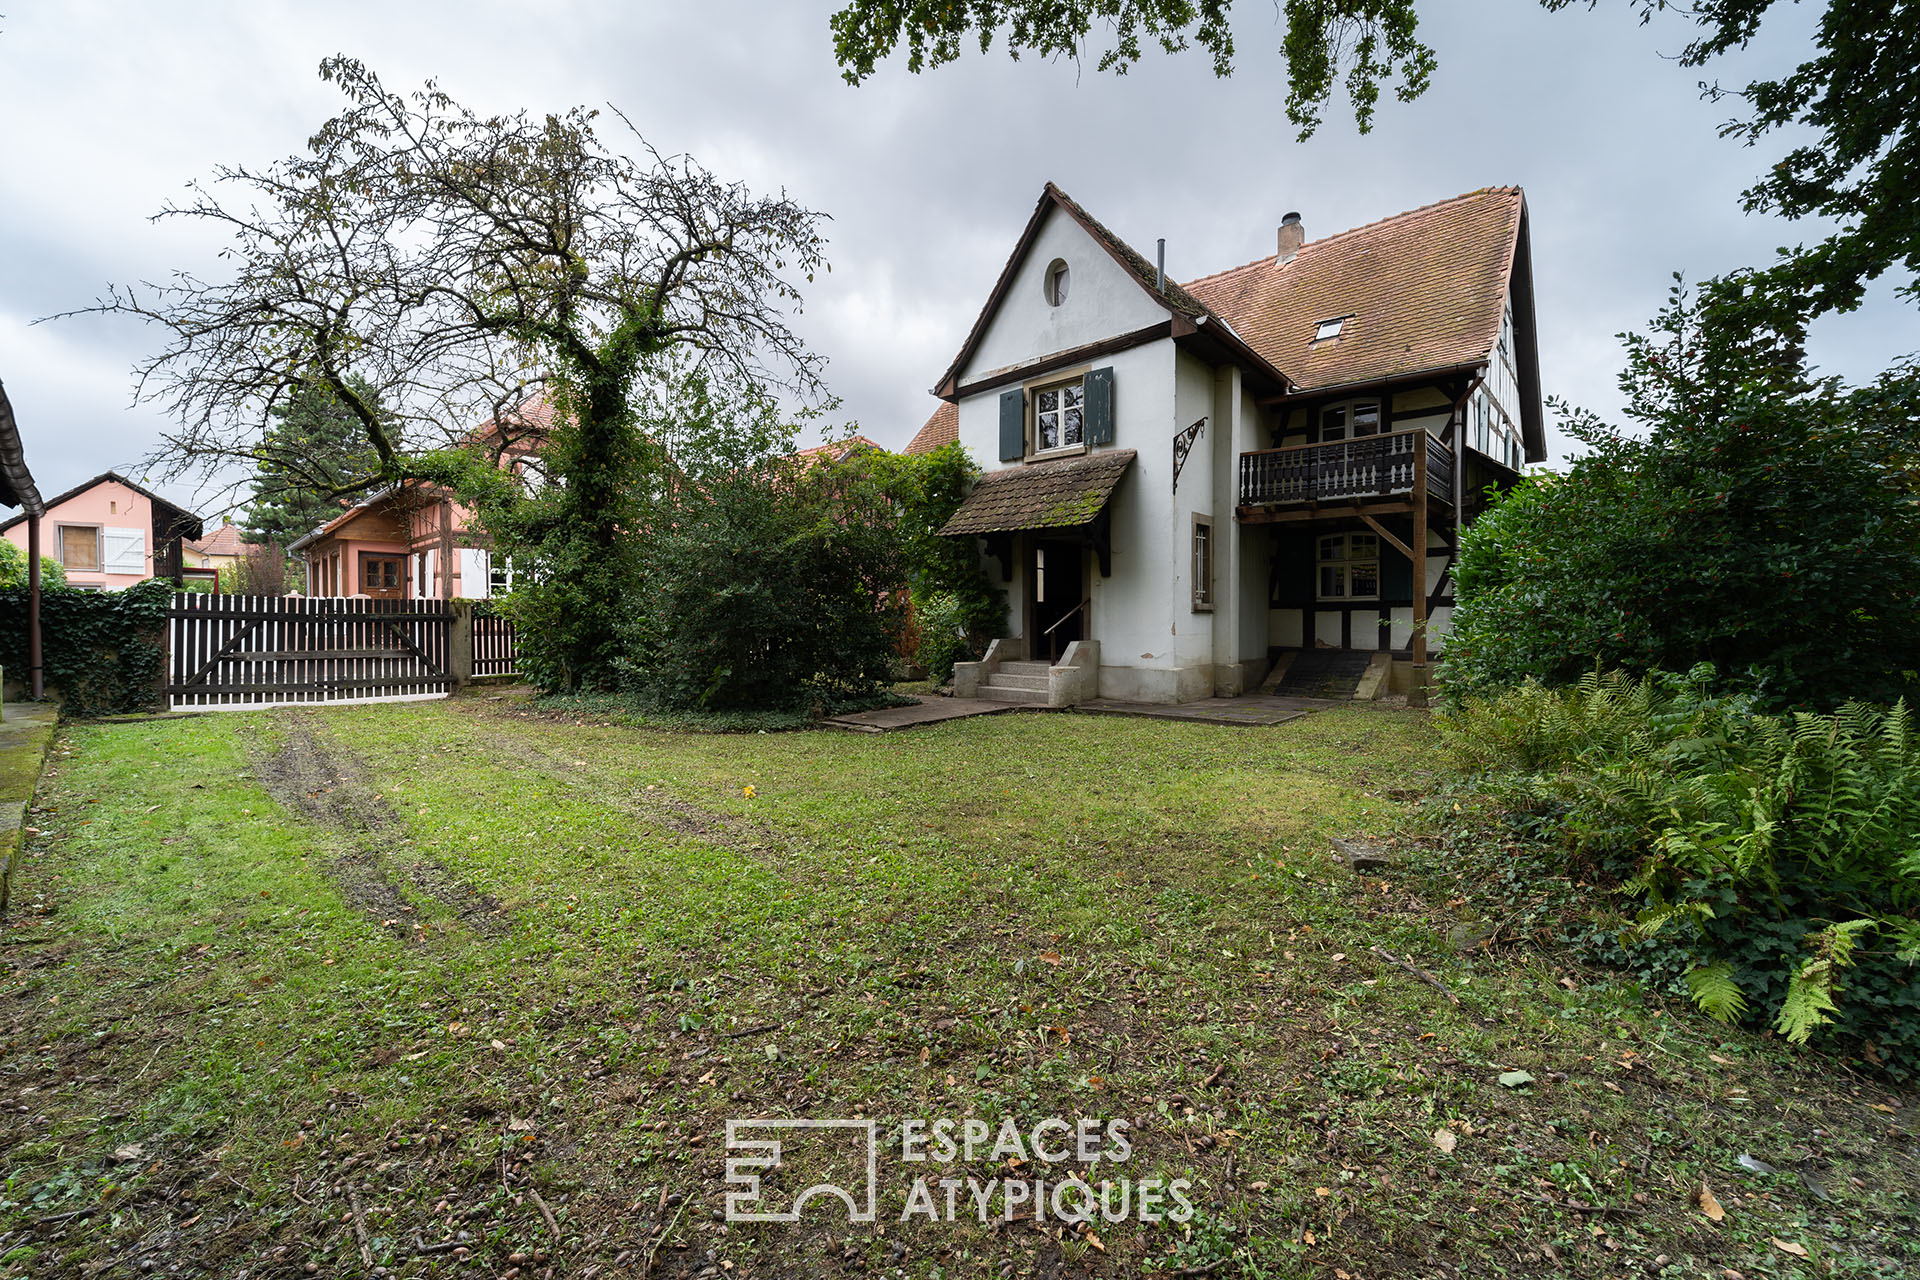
[110, 109]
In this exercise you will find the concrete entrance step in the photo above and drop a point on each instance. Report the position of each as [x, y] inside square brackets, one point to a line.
[1023, 669]
[1015, 680]
[994, 692]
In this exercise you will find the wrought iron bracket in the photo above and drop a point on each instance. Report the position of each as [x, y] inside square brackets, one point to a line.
[1182, 446]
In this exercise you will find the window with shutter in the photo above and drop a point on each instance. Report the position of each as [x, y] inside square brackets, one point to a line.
[124, 550]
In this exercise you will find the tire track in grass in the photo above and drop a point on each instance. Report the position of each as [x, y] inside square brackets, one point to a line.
[326, 783]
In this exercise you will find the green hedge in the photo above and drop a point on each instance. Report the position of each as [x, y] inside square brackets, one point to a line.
[104, 652]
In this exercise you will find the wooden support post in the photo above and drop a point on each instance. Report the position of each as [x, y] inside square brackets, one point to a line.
[1417, 696]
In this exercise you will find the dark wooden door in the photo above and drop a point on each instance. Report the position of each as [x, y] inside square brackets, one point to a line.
[1058, 587]
[383, 577]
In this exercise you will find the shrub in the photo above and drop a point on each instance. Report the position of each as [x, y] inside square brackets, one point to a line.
[13, 569]
[958, 608]
[770, 581]
[1765, 522]
[1780, 851]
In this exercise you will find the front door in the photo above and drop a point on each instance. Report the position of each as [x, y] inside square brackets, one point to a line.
[382, 576]
[1059, 587]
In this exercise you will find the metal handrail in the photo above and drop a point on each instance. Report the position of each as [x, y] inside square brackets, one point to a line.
[1063, 617]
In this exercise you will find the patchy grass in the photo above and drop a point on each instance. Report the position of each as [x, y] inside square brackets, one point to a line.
[473, 988]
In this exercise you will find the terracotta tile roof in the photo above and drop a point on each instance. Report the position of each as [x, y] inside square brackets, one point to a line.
[1417, 291]
[224, 541]
[1044, 495]
[837, 451]
[942, 428]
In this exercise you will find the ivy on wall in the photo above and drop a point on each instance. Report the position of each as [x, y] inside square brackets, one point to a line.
[104, 652]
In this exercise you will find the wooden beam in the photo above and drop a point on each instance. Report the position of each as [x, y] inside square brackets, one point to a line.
[1391, 541]
[1308, 515]
[1060, 360]
[1418, 696]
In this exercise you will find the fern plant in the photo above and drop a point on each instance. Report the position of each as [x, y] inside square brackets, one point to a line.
[1736, 830]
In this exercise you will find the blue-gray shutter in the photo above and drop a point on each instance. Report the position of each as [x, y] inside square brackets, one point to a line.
[1099, 406]
[1013, 425]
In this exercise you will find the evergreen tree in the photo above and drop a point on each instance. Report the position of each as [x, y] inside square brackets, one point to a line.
[312, 451]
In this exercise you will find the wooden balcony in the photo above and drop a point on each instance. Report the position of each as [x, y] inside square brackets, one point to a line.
[1350, 473]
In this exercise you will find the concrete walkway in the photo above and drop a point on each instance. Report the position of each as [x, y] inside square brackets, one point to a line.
[26, 733]
[1251, 709]
[923, 711]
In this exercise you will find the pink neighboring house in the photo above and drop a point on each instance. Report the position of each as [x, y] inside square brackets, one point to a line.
[110, 533]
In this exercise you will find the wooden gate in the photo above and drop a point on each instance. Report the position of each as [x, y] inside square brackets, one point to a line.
[237, 653]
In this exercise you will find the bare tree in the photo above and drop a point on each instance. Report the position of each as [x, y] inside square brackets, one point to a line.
[455, 265]
[435, 269]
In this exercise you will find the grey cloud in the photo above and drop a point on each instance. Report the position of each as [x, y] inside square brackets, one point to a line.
[928, 179]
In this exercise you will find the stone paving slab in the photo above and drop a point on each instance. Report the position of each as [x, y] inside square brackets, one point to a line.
[923, 711]
[26, 732]
[1253, 709]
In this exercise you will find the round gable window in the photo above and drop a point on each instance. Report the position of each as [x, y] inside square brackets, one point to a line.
[1058, 278]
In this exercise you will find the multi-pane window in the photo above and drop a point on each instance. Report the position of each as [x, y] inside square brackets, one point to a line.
[1354, 418]
[1202, 563]
[1058, 416]
[1349, 566]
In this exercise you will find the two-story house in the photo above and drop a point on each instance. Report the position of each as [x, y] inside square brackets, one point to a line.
[1187, 484]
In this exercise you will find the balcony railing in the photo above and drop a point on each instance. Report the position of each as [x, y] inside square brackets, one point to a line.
[1346, 470]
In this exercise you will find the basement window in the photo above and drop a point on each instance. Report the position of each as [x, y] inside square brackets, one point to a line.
[1349, 566]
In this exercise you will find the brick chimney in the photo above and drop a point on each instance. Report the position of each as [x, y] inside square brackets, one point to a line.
[1292, 236]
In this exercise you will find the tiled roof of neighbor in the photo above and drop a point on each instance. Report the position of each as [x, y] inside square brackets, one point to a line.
[1044, 495]
[942, 428]
[838, 450]
[224, 541]
[1420, 290]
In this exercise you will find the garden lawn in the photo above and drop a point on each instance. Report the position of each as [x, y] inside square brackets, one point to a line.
[469, 988]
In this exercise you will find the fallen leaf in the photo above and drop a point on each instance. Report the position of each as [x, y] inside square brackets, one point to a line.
[518, 1125]
[1322, 1191]
[1725, 1062]
[1338, 956]
[1051, 957]
[1788, 1246]
[1515, 1079]
[1095, 1241]
[132, 1151]
[1445, 1140]
[1708, 1205]
[499, 1047]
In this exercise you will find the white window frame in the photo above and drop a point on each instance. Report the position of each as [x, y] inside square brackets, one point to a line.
[1328, 330]
[1334, 554]
[1036, 397]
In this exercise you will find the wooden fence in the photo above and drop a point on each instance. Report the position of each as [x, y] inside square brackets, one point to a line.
[493, 648]
[244, 652]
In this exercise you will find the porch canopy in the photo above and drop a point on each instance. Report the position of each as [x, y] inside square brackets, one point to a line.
[1069, 496]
